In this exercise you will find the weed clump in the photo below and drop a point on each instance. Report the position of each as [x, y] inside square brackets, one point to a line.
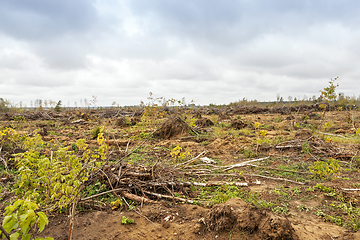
[95, 132]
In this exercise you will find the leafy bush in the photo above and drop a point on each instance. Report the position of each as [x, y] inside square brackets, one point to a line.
[329, 93]
[55, 181]
[4, 105]
[179, 154]
[326, 170]
[58, 106]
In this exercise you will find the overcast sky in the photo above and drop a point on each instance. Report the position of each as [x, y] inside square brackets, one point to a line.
[209, 51]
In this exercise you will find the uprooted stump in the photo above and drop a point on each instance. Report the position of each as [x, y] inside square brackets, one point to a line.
[135, 120]
[172, 127]
[204, 122]
[197, 114]
[238, 124]
[223, 116]
[236, 213]
[121, 122]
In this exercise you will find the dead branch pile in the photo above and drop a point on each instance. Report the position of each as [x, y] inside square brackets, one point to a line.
[139, 183]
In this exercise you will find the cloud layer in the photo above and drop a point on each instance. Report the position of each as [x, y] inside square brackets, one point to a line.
[206, 50]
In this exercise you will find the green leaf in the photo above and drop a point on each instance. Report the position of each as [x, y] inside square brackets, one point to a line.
[25, 225]
[43, 221]
[26, 237]
[14, 236]
[9, 223]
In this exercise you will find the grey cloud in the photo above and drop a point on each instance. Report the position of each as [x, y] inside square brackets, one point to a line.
[58, 32]
[237, 22]
[43, 19]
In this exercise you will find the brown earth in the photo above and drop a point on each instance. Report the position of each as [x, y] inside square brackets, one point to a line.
[234, 219]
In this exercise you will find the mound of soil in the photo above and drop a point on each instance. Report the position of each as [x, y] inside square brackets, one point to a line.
[172, 127]
[204, 122]
[236, 213]
[238, 124]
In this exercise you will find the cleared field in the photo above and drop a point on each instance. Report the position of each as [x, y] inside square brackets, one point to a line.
[186, 173]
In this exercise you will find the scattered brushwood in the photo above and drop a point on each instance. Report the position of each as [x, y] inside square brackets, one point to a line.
[116, 113]
[131, 112]
[318, 148]
[288, 109]
[71, 114]
[32, 115]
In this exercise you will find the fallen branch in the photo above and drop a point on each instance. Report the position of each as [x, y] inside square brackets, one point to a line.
[280, 179]
[103, 193]
[288, 146]
[135, 174]
[72, 218]
[199, 170]
[215, 174]
[243, 163]
[277, 169]
[136, 197]
[169, 197]
[208, 184]
[100, 206]
[127, 204]
[78, 121]
[331, 134]
[6, 167]
[4, 232]
[191, 160]
[200, 165]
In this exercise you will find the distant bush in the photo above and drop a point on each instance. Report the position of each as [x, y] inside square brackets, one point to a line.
[58, 106]
[4, 105]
